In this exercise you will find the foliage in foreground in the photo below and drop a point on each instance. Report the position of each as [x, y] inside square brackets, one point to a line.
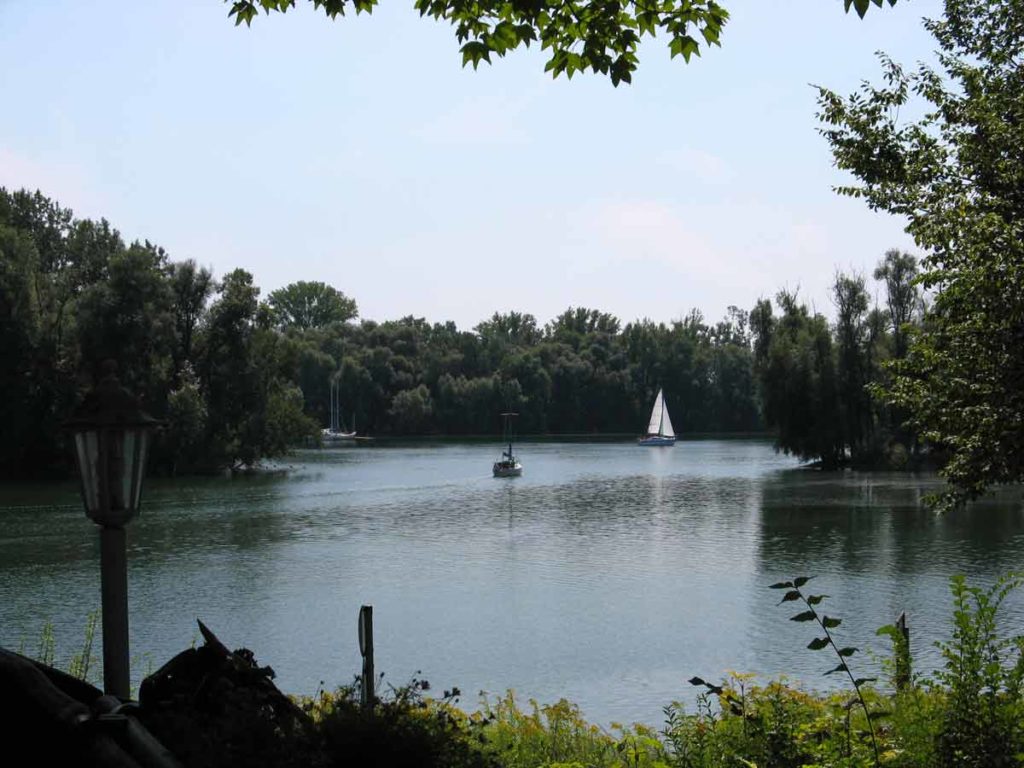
[596, 36]
[403, 729]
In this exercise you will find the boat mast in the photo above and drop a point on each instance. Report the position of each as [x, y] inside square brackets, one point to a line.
[335, 405]
[508, 432]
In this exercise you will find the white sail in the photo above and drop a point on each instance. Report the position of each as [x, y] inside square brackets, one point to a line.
[666, 423]
[660, 423]
[654, 426]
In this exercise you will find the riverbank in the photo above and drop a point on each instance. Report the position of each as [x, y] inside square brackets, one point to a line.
[537, 437]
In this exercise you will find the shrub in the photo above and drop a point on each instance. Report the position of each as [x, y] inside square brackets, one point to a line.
[402, 730]
[557, 736]
[983, 717]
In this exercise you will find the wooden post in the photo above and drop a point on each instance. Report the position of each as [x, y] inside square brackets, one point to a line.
[366, 697]
[903, 653]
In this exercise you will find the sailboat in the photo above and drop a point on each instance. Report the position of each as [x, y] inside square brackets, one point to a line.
[336, 433]
[508, 465]
[659, 429]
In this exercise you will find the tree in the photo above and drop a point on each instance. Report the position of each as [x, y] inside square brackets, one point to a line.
[851, 301]
[599, 35]
[307, 305]
[186, 424]
[899, 271]
[192, 287]
[574, 325]
[19, 337]
[957, 175]
[504, 331]
[129, 316]
[227, 370]
[796, 372]
[733, 402]
[411, 409]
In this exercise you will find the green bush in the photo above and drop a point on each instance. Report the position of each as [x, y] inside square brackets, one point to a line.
[403, 730]
[983, 716]
[557, 736]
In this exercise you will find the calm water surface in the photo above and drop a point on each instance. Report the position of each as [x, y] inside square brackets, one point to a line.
[608, 573]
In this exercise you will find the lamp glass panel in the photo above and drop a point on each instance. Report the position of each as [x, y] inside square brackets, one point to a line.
[120, 458]
[87, 451]
[140, 466]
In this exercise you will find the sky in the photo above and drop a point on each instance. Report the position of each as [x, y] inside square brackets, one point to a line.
[360, 153]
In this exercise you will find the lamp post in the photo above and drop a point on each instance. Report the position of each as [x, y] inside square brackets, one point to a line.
[111, 440]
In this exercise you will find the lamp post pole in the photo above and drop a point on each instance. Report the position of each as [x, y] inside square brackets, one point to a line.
[114, 592]
[111, 440]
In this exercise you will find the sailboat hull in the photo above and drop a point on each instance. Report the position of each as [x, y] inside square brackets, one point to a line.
[657, 440]
[507, 468]
[330, 436]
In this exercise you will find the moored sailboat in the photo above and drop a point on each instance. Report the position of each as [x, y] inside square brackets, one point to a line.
[508, 465]
[659, 428]
[336, 433]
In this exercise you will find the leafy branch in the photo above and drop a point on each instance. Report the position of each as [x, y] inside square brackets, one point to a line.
[606, 32]
[793, 594]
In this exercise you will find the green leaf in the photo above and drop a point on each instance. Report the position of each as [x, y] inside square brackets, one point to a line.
[863, 680]
[829, 623]
[805, 616]
[815, 599]
[475, 51]
[799, 581]
[782, 585]
[689, 48]
[848, 651]
[818, 643]
[841, 667]
[790, 597]
[861, 6]
[696, 681]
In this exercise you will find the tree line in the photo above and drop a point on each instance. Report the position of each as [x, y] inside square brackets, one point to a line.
[821, 386]
[237, 378]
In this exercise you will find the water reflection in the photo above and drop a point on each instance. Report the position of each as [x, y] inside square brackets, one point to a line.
[879, 523]
[877, 550]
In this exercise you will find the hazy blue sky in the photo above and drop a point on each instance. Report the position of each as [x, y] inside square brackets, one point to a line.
[360, 153]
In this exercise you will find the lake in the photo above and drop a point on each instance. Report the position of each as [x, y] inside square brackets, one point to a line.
[608, 573]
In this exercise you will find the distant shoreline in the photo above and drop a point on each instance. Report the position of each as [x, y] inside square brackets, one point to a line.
[572, 437]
